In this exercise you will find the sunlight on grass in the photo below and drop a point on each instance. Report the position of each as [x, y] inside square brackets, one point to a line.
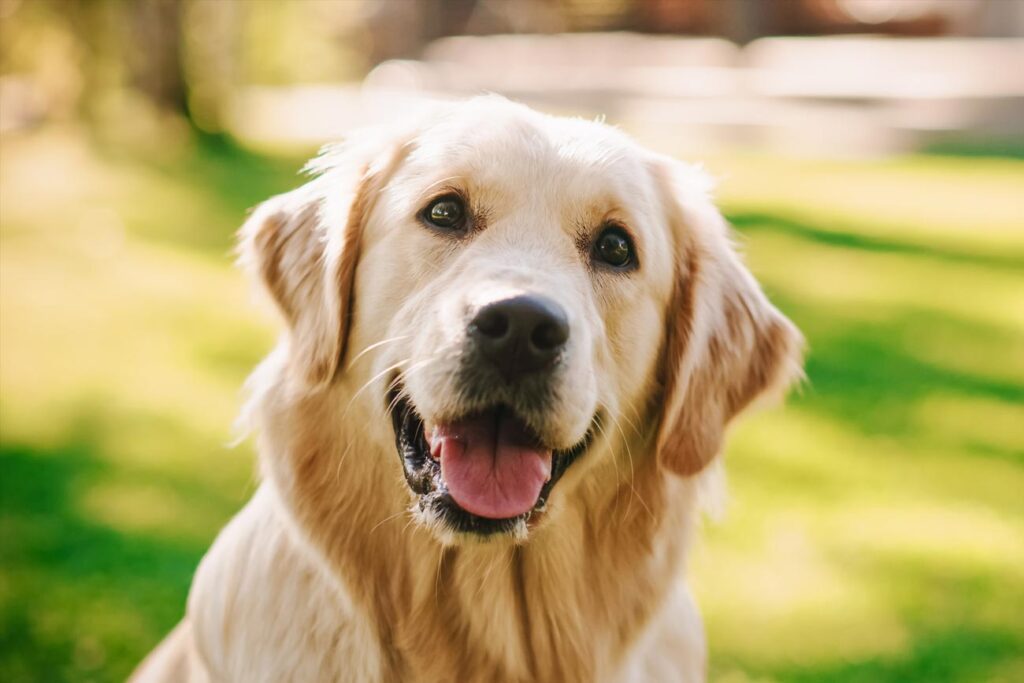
[969, 206]
[954, 535]
[884, 282]
[133, 329]
[972, 423]
[791, 598]
[134, 507]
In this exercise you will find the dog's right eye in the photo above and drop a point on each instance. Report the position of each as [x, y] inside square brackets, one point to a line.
[447, 213]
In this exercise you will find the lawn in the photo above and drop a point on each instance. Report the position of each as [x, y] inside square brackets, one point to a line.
[875, 530]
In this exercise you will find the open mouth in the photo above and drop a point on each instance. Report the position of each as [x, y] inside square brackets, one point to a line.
[484, 473]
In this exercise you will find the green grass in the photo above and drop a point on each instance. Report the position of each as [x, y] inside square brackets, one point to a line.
[876, 524]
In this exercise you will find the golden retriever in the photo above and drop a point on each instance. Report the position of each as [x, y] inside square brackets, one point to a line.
[514, 342]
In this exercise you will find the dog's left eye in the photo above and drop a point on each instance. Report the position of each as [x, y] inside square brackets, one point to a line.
[447, 213]
[614, 247]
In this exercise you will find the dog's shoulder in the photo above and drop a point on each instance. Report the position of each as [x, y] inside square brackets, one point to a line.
[262, 609]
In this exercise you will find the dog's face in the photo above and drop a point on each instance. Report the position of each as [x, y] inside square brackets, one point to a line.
[519, 296]
[525, 267]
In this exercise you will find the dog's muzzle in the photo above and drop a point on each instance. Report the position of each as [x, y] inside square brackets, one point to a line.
[488, 470]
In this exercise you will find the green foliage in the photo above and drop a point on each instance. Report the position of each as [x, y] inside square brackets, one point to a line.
[876, 525]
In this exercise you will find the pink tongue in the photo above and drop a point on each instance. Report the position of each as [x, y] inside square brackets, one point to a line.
[490, 465]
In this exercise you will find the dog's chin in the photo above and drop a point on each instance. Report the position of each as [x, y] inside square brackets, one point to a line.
[508, 508]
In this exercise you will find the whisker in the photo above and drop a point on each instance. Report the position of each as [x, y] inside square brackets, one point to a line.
[618, 478]
[398, 397]
[412, 519]
[419, 366]
[415, 366]
[387, 519]
[371, 347]
[634, 425]
[341, 462]
[485, 575]
[371, 381]
[632, 471]
[403, 392]
[437, 577]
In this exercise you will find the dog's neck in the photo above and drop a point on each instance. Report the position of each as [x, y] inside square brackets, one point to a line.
[563, 606]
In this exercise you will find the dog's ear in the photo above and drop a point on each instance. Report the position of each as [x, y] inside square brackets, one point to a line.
[726, 345]
[303, 247]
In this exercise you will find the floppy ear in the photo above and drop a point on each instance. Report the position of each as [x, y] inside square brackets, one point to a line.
[303, 247]
[726, 344]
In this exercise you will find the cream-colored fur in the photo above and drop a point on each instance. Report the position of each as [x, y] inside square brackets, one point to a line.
[331, 572]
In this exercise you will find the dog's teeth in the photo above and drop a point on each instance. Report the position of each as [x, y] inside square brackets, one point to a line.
[435, 443]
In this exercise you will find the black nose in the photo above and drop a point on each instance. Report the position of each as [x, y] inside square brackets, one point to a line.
[520, 335]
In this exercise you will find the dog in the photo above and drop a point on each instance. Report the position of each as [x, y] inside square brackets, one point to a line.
[513, 345]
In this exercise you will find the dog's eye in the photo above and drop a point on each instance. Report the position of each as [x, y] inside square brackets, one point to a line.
[448, 213]
[614, 247]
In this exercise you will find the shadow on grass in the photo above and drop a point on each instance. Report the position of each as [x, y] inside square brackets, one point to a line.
[871, 376]
[81, 600]
[958, 655]
[866, 365]
[961, 622]
[994, 149]
[760, 221]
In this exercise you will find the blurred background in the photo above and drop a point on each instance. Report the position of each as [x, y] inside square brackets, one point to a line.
[870, 154]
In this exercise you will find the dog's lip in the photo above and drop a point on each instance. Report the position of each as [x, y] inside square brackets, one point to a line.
[423, 472]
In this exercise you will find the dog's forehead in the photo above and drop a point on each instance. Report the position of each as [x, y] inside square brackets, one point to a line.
[493, 144]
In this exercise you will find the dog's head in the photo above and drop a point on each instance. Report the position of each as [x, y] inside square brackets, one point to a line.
[514, 297]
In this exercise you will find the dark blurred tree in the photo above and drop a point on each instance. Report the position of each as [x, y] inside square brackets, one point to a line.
[155, 51]
[135, 45]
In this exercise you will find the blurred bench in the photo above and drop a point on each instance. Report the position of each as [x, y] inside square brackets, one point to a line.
[843, 95]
